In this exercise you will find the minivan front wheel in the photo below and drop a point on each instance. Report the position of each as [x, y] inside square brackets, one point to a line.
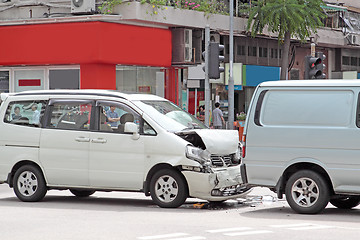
[307, 192]
[29, 184]
[168, 188]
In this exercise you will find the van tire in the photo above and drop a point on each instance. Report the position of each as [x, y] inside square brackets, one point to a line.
[29, 184]
[82, 193]
[345, 203]
[168, 188]
[307, 192]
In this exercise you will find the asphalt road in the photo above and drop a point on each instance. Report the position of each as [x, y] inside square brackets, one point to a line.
[122, 216]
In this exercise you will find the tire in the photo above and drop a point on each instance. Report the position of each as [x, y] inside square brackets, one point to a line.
[168, 188]
[307, 192]
[345, 203]
[82, 193]
[29, 184]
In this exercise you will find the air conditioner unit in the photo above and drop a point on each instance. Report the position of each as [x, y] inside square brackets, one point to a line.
[82, 6]
[353, 39]
[215, 37]
[182, 51]
[188, 45]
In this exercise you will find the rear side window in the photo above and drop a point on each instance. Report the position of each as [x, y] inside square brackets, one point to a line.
[28, 113]
[326, 108]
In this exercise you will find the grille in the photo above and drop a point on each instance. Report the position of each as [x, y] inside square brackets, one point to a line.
[219, 160]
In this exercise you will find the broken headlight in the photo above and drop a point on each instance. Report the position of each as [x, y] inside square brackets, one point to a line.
[236, 157]
[197, 154]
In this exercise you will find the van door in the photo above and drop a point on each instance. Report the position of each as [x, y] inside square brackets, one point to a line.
[116, 158]
[64, 144]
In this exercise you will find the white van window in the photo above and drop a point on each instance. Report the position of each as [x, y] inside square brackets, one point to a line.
[325, 108]
[67, 115]
[28, 113]
[169, 116]
[113, 116]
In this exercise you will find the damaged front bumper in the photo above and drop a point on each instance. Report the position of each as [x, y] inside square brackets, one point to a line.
[216, 185]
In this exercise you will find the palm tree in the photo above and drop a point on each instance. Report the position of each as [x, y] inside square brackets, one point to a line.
[287, 18]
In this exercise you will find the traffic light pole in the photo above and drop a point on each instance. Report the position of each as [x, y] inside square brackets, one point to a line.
[231, 78]
[207, 83]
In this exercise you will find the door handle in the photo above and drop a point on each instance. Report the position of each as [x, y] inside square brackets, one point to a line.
[98, 140]
[82, 139]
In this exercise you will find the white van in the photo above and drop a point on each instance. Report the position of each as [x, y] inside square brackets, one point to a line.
[97, 140]
[301, 139]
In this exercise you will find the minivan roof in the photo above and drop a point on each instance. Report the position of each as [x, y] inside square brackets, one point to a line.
[96, 92]
[313, 83]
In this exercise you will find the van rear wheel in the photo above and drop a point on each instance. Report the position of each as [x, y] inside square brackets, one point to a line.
[29, 184]
[345, 203]
[168, 188]
[307, 192]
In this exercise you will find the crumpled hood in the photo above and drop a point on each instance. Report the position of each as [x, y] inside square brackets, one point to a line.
[222, 142]
[219, 141]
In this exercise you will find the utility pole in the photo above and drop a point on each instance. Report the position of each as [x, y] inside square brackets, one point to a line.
[207, 84]
[231, 77]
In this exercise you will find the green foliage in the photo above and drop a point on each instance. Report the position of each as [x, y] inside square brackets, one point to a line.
[107, 6]
[206, 6]
[297, 17]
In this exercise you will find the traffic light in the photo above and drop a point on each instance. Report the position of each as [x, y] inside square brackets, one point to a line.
[314, 66]
[214, 60]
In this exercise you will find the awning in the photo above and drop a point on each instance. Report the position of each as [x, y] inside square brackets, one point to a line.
[329, 7]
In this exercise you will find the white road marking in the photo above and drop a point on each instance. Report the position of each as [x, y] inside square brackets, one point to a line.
[189, 238]
[302, 226]
[228, 229]
[172, 235]
[247, 233]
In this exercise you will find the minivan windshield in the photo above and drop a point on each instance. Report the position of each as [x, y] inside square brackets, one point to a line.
[169, 116]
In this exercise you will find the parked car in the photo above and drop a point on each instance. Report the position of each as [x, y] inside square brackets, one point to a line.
[97, 140]
[301, 139]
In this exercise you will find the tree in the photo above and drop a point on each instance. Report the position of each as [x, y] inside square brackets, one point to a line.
[287, 18]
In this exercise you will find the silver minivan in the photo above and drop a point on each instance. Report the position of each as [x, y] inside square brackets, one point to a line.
[301, 139]
[97, 140]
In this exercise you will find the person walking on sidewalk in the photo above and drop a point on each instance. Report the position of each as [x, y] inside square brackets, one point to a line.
[217, 116]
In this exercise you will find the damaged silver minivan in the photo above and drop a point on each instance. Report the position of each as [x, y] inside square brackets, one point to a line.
[97, 140]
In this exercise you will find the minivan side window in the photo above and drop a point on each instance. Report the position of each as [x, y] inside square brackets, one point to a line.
[113, 116]
[27, 113]
[70, 115]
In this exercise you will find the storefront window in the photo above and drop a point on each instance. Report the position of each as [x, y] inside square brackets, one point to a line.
[29, 80]
[4, 81]
[137, 79]
[64, 79]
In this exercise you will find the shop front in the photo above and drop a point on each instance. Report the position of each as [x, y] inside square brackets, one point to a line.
[86, 55]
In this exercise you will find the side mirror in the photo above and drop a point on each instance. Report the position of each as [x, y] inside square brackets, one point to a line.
[131, 127]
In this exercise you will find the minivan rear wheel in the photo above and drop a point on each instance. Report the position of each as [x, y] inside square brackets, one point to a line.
[29, 184]
[307, 192]
[345, 203]
[168, 188]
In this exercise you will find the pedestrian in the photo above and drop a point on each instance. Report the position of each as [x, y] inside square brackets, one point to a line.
[201, 113]
[36, 114]
[217, 117]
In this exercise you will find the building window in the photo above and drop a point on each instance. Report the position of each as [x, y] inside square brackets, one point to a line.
[263, 52]
[346, 60]
[140, 79]
[274, 53]
[64, 79]
[354, 61]
[4, 81]
[252, 51]
[241, 50]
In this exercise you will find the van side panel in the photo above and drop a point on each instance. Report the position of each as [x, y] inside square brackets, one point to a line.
[314, 125]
